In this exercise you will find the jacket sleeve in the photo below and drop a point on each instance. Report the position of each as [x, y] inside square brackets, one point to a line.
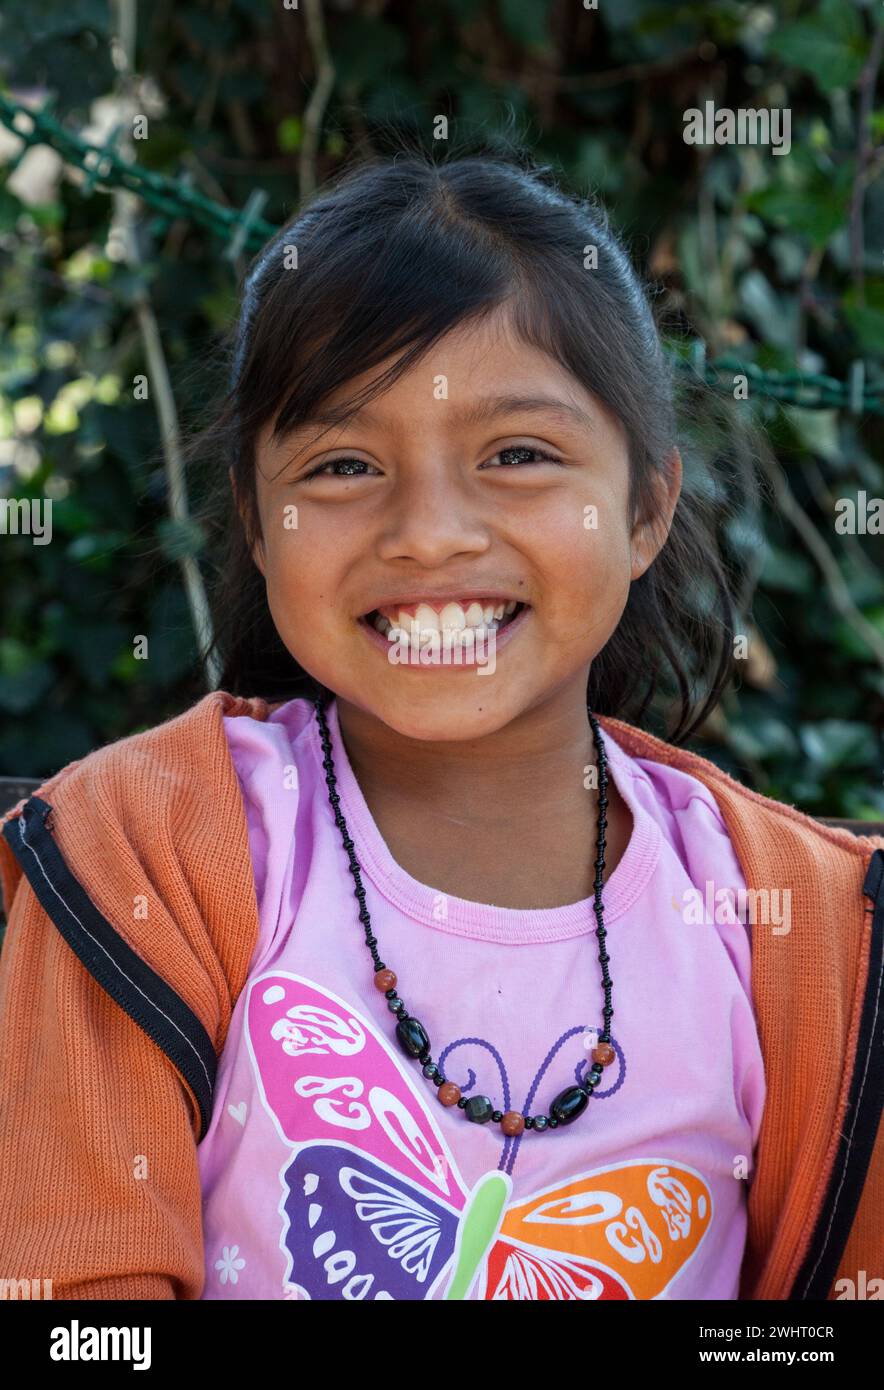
[99, 1183]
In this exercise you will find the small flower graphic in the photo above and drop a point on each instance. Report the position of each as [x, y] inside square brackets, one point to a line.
[228, 1265]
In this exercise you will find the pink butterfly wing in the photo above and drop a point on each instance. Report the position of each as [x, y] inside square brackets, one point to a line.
[325, 1075]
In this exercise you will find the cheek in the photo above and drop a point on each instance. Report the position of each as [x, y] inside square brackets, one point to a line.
[588, 558]
[296, 593]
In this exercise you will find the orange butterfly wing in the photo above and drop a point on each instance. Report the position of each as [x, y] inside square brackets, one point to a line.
[620, 1232]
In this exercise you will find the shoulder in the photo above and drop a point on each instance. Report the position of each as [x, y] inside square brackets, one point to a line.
[177, 772]
[757, 824]
[159, 758]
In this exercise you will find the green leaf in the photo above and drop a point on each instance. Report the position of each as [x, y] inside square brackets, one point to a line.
[813, 202]
[289, 134]
[868, 325]
[833, 743]
[852, 642]
[866, 315]
[830, 45]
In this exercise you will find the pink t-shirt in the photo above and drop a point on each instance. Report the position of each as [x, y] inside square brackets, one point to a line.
[331, 1170]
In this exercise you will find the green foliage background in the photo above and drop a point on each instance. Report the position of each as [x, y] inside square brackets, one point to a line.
[758, 254]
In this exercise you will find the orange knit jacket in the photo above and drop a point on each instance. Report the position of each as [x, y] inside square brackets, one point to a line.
[132, 919]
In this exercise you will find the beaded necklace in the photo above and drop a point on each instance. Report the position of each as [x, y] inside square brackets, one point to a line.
[410, 1032]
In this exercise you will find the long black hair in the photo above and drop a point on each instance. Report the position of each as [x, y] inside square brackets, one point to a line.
[387, 259]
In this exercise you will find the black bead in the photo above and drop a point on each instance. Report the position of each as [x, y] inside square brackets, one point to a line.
[540, 1123]
[478, 1109]
[569, 1104]
[497, 1116]
[412, 1037]
[429, 1069]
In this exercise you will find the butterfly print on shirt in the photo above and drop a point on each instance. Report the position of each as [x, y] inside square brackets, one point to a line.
[373, 1205]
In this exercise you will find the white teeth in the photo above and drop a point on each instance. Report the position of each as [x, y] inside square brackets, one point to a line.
[454, 617]
[426, 618]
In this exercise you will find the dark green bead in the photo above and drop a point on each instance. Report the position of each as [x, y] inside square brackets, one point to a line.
[478, 1109]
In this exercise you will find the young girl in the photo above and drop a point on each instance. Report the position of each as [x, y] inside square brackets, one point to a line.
[405, 967]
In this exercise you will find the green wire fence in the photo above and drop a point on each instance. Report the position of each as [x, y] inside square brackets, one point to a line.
[245, 230]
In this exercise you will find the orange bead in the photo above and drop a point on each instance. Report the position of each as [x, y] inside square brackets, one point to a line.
[604, 1053]
[448, 1093]
[512, 1123]
[384, 980]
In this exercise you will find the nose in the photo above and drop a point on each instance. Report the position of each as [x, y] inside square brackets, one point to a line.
[431, 516]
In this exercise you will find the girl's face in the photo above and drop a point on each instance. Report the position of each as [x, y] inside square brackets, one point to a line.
[486, 474]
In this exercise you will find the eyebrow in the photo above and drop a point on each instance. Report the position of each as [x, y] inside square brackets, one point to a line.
[479, 413]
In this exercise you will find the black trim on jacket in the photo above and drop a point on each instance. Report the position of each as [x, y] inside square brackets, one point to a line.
[146, 997]
[860, 1126]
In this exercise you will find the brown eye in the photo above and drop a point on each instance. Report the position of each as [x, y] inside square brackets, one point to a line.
[345, 463]
[524, 453]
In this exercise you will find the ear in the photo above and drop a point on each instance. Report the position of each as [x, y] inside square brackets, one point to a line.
[649, 535]
[257, 549]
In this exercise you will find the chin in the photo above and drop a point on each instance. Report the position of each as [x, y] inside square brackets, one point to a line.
[443, 719]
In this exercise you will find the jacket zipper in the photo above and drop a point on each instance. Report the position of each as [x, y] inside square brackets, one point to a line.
[860, 1127]
[140, 991]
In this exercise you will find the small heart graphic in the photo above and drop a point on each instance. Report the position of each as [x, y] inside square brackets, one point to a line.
[238, 1111]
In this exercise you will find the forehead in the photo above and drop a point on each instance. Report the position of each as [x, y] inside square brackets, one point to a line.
[483, 368]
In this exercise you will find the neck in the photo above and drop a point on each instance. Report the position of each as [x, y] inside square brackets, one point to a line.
[538, 758]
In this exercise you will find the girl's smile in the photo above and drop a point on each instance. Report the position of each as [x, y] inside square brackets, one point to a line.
[452, 636]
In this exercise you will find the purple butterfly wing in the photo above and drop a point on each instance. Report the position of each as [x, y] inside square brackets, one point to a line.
[356, 1231]
[372, 1195]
